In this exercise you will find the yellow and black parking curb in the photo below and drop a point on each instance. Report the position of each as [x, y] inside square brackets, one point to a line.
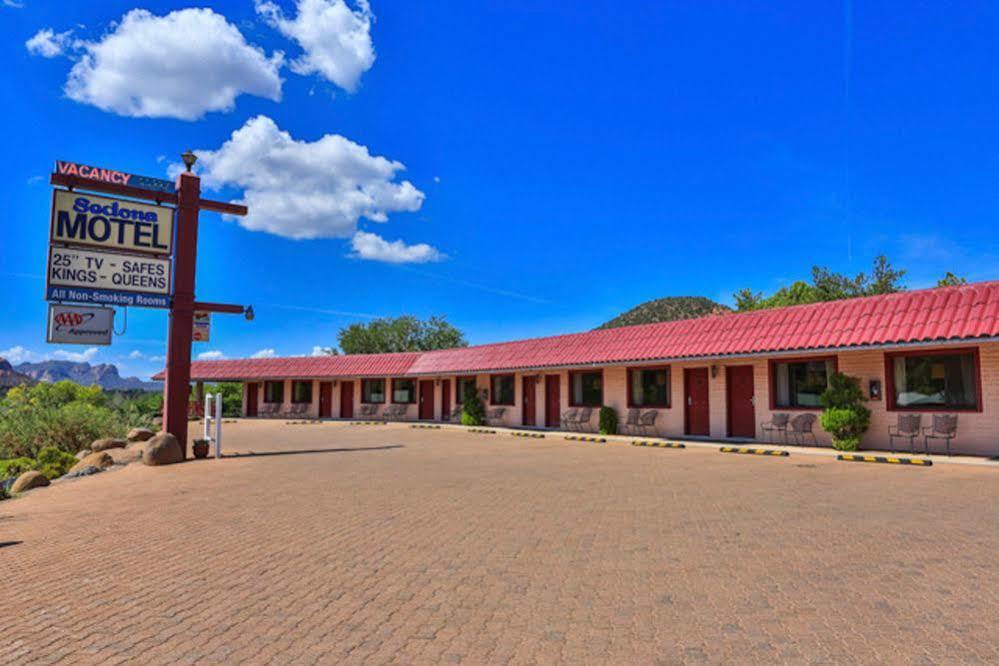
[425, 426]
[891, 460]
[369, 423]
[752, 451]
[533, 435]
[578, 438]
[482, 431]
[661, 445]
[310, 422]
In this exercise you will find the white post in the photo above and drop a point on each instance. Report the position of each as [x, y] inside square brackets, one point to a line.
[218, 425]
[208, 415]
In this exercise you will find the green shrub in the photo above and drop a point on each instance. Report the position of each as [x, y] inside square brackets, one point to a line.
[232, 397]
[844, 417]
[53, 463]
[608, 421]
[473, 412]
[15, 467]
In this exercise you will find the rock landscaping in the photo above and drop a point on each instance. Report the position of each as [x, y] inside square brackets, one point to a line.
[29, 480]
[162, 449]
[108, 443]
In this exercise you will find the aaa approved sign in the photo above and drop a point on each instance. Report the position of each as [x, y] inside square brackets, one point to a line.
[86, 276]
[80, 325]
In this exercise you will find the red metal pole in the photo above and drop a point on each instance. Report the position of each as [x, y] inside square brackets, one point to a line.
[177, 387]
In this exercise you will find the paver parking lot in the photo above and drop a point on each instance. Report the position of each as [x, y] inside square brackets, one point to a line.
[373, 544]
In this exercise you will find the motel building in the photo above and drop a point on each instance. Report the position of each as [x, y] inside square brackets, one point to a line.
[733, 377]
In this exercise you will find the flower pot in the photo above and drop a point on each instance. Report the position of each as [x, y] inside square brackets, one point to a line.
[201, 449]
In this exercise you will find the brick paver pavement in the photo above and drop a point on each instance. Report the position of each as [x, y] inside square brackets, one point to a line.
[387, 544]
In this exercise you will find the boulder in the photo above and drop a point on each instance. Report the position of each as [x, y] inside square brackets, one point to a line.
[29, 480]
[162, 449]
[108, 443]
[125, 456]
[99, 459]
[83, 471]
[139, 434]
[80, 455]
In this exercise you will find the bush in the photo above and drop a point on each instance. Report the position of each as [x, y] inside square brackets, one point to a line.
[608, 421]
[473, 412]
[844, 417]
[232, 397]
[15, 467]
[53, 463]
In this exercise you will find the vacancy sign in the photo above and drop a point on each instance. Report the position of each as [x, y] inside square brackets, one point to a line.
[107, 278]
[112, 224]
[80, 325]
[202, 326]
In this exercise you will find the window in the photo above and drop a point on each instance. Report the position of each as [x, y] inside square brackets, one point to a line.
[501, 391]
[404, 391]
[273, 391]
[301, 392]
[372, 391]
[586, 389]
[648, 387]
[798, 384]
[464, 384]
[944, 380]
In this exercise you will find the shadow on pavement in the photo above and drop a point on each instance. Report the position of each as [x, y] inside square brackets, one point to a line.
[252, 454]
[4, 544]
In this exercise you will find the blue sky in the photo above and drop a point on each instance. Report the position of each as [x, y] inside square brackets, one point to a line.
[544, 166]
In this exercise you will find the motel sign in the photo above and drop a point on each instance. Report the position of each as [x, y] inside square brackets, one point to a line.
[138, 251]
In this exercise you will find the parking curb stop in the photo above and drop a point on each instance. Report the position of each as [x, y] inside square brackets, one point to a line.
[890, 460]
[752, 451]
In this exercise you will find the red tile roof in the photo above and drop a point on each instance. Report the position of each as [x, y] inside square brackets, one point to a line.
[929, 315]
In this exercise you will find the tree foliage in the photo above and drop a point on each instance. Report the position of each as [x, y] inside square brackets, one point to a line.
[827, 286]
[400, 334]
[473, 412]
[951, 280]
[844, 415]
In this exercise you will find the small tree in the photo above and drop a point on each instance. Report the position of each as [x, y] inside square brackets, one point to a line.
[473, 412]
[844, 415]
[608, 421]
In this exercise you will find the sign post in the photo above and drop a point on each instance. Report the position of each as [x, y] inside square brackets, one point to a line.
[133, 227]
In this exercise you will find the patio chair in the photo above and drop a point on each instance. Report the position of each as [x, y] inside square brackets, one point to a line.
[801, 427]
[495, 415]
[367, 411]
[631, 423]
[909, 427]
[456, 413]
[583, 418]
[647, 423]
[776, 426]
[394, 412]
[944, 427]
[569, 418]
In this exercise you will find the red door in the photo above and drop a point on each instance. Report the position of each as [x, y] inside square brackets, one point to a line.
[446, 400]
[346, 400]
[696, 416]
[427, 399]
[529, 401]
[251, 399]
[553, 401]
[325, 400]
[741, 401]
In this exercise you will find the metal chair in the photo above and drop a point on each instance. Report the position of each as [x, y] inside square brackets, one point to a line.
[569, 418]
[583, 417]
[777, 424]
[367, 411]
[909, 427]
[456, 413]
[647, 423]
[632, 423]
[801, 427]
[944, 427]
[495, 415]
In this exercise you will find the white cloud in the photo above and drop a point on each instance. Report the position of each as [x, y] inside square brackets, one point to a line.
[264, 353]
[213, 355]
[85, 356]
[319, 351]
[15, 4]
[376, 248]
[335, 39]
[19, 354]
[49, 43]
[136, 355]
[181, 65]
[300, 189]
[157, 359]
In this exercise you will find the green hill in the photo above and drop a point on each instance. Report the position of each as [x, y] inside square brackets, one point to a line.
[670, 308]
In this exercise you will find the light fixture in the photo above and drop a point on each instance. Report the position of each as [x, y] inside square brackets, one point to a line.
[248, 313]
[189, 159]
[714, 371]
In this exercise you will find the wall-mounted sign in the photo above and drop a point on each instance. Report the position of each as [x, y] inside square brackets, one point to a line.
[112, 176]
[87, 219]
[202, 326]
[80, 325]
[105, 278]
